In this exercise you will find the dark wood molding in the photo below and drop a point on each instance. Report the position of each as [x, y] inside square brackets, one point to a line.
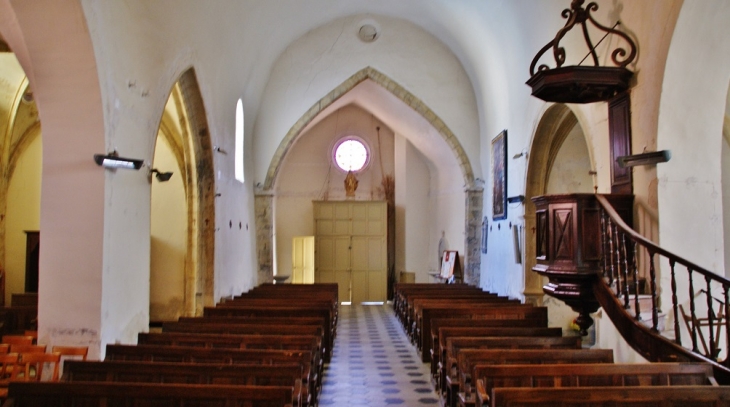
[619, 136]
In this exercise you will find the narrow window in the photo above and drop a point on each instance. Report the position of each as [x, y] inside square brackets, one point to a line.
[239, 141]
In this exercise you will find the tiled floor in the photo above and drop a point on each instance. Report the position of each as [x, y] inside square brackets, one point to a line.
[374, 364]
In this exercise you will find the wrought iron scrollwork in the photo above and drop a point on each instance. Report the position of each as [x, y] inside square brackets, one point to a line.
[576, 14]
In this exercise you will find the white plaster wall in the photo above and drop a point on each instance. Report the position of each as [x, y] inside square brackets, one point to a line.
[419, 230]
[22, 213]
[308, 174]
[690, 125]
[168, 238]
[570, 170]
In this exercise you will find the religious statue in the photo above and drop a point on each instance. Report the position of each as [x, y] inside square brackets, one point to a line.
[350, 184]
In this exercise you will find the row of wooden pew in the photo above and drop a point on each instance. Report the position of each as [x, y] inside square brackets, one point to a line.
[490, 350]
[264, 348]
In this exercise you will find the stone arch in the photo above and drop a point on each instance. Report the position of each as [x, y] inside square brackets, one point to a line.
[200, 186]
[474, 193]
[552, 130]
[393, 87]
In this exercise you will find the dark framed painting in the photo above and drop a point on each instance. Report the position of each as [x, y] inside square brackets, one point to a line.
[499, 176]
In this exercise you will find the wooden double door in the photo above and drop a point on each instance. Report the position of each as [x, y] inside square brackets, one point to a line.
[351, 248]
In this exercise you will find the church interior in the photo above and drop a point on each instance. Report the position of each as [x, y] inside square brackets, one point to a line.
[162, 158]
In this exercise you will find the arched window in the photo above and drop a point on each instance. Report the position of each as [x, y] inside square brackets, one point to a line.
[239, 142]
[351, 154]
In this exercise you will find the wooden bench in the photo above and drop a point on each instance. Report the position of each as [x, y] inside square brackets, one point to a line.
[582, 375]
[419, 325]
[477, 311]
[58, 394]
[438, 349]
[281, 311]
[457, 343]
[226, 341]
[190, 373]
[401, 292]
[468, 359]
[184, 354]
[639, 396]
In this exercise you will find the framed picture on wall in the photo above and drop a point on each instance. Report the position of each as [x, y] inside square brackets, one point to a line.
[499, 176]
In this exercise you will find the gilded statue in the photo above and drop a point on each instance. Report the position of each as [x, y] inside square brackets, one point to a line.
[350, 184]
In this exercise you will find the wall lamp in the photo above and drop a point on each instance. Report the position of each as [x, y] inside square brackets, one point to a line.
[161, 176]
[114, 161]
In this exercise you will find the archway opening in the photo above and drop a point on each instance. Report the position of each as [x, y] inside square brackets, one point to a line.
[20, 183]
[559, 163]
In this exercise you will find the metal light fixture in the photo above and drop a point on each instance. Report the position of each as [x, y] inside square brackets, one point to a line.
[161, 176]
[113, 161]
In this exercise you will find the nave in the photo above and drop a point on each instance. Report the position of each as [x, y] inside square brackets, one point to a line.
[374, 363]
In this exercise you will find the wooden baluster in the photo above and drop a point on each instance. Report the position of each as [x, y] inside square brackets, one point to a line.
[604, 247]
[623, 268]
[634, 271]
[692, 312]
[654, 307]
[710, 318]
[611, 261]
[677, 335]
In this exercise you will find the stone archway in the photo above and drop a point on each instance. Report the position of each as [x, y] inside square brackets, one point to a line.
[554, 127]
[200, 187]
[474, 193]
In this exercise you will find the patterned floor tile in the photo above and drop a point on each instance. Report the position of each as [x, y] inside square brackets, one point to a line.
[374, 363]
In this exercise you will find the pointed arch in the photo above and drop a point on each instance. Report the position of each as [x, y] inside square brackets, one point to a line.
[200, 184]
[394, 88]
[552, 130]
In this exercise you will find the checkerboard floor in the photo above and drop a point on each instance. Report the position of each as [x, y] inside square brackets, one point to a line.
[374, 363]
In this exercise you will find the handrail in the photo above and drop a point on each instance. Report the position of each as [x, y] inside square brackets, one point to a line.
[621, 248]
[651, 245]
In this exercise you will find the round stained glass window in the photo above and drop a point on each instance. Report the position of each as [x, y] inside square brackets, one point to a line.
[351, 155]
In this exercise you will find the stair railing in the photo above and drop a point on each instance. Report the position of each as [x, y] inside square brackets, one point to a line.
[622, 246]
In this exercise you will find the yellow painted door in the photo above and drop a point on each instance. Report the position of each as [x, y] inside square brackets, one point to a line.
[332, 263]
[303, 260]
[351, 248]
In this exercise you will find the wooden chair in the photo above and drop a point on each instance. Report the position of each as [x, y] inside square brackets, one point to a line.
[33, 334]
[17, 339]
[28, 348]
[31, 367]
[8, 361]
[4, 348]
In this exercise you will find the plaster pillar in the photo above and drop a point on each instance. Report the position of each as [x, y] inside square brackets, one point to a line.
[472, 246]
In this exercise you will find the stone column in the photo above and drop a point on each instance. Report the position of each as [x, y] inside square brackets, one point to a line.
[472, 246]
[264, 207]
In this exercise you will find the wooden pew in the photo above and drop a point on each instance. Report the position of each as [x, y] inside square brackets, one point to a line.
[58, 394]
[478, 311]
[225, 341]
[582, 375]
[190, 373]
[468, 359]
[457, 343]
[438, 349]
[401, 292]
[184, 354]
[281, 311]
[414, 302]
[415, 316]
[639, 396]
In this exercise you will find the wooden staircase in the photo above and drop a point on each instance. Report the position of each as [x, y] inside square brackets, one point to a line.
[593, 258]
